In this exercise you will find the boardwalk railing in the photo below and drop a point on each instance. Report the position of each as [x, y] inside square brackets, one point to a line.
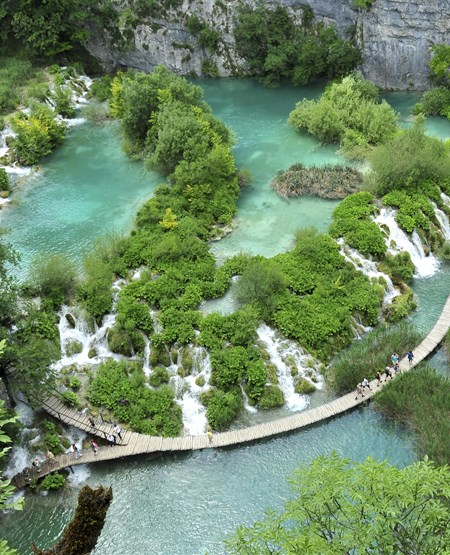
[133, 443]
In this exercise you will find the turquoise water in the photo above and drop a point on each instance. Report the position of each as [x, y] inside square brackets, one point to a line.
[86, 189]
[187, 504]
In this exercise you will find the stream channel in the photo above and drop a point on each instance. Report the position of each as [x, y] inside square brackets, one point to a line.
[186, 504]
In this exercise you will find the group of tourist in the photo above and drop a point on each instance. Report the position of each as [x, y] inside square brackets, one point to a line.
[389, 373]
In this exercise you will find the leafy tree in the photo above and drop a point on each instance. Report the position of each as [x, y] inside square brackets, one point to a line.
[6, 489]
[408, 160]
[343, 507]
[440, 64]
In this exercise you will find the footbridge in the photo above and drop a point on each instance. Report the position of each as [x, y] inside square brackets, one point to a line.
[133, 443]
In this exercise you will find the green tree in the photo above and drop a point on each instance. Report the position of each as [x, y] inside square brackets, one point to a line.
[440, 64]
[6, 489]
[343, 507]
[408, 160]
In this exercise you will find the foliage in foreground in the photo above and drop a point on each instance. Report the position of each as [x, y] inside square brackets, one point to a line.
[421, 398]
[80, 536]
[332, 182]
[344, 507]
[368, 355]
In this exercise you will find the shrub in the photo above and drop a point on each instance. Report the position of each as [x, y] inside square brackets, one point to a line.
[222, 409]
[398, 266]
[159, 376]
[70, 399]
[271, 397]
[101, 88]
[62, 98]
[434, 102]
[408, 160]
[53, 443]
[304, 386]
[53, 481]
[401, 305]
[4, 180]
[74, 382]
[53, 276]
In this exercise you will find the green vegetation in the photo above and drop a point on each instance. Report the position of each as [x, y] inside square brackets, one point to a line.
[421, 399]
[52, 276]
[348, 113]
[208, 37]
[4, 182]
[14, 73]
[398, 266]
[409, 160]
[372, 353]
[351, 220]
[333, 182]
[343, 507]
[53, 481]
[119, 386]
[222, 408]
[37, 134]
[6, 489]
[440, 64]
[275, 47]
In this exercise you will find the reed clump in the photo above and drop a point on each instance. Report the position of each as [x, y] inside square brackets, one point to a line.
[372, 353]
[329, 182]
[421, 399]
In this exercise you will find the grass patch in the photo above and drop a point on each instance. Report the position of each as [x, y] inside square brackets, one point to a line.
[421, 398]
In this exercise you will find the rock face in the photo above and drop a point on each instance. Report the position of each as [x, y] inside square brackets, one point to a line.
[395, 37]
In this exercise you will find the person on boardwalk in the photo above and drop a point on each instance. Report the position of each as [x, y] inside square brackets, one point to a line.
[49, 456]
[91, 421]
[410, 356]
[388, 373]
[36, 464]
[118, 430]
[111, 439]
[394, 358]
[395, 368]
[378, 377]
[365, 383]
[76, 451]
[359, 391]
[209, 434]
[94, 447]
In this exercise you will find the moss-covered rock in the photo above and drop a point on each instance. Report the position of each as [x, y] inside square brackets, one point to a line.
[304, 386]
[271, 397]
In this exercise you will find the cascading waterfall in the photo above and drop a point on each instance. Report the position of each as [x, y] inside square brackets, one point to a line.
[92, 346]
[398, 241]
[368, 268]
[194, 413]
[279, 349]
[443, 222]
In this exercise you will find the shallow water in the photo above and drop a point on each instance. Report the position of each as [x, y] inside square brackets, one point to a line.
[187, 504]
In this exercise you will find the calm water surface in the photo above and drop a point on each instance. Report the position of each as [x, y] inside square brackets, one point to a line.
[187, 504]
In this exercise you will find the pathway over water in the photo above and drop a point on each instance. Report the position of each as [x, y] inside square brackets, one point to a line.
[133, 443]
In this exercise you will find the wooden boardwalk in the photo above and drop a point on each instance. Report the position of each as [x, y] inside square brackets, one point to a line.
[133, 443]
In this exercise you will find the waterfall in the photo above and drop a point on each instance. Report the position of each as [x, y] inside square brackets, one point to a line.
[280, 350]
[368, 268]
[443, 222]
[398, 241]
[194, 413]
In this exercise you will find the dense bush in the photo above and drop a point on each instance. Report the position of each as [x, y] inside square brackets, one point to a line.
[440, 64]
[409, 159]
[421, 398]
[435, 102]
[370, 354]
[53, 481]
[401, 305]
[222, 408]
[347, 113]
[118, 386]
[271, 397]
[398, 266]
[159, 376]
[62, 99]
[4, 180]
[351, 220]
[14, 73]
[414, 209]
[37, 134]
[275, 47]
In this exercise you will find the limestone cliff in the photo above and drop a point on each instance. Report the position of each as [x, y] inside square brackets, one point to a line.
[395, 37]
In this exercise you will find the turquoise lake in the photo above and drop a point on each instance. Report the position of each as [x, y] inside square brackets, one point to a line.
[188, 504]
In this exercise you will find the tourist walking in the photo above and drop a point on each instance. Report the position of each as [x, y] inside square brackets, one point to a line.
[91, 421]
[36, 464]
[111, 439]
[388, 373]
[94, 446]
[410, 356]
[395, 368]
[359, 391]
[365, 383]
[76, 451]
[378, 377]
[394, 358]
[118, 430]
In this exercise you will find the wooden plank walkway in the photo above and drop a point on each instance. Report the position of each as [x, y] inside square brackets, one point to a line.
[133, 443]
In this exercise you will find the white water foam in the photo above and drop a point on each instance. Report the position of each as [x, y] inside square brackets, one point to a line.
[368, 268]
[399, 241]
[80, 473]
[279, 350]
[443, 222]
